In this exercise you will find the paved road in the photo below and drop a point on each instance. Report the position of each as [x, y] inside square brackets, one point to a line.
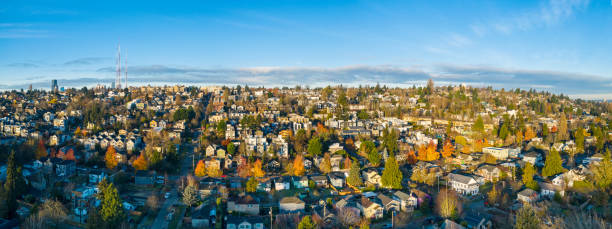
[160, 221]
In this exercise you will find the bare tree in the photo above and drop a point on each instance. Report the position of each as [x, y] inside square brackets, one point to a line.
[153, 202]
[348, 217]
[51, 214]
[447, 204]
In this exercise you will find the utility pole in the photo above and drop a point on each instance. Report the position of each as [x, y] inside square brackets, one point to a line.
[270, 217]
[392, 215]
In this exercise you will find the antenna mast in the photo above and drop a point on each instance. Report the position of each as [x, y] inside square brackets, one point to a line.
[118, 79]
[126, 69]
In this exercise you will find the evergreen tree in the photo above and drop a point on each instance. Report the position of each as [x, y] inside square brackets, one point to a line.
[251, 185]
[528, 173]
[374, 157]
[354, 178]
[553, 164]
[306, 223]
[562, 130]
[314, 146]
[526, 218]
[112, 207]
[392, 176]
[579, 136]
[478, 125]
[11, 188]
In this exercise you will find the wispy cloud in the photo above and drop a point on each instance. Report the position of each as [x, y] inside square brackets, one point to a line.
[458, 40]
[21, 30]
[549, 13]
[86, 61]
[22, 65]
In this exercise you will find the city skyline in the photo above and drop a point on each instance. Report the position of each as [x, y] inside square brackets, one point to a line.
[557, 46]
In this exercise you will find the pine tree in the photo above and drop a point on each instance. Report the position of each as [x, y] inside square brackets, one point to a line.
[526, 218]
[354, 177]
[528, 173]
[562, 130]
[306, 223]
[11, 188]
[478, 125]
[579, 136]
[392, 176]
[112, 207]
[553, 164]
[251, 185]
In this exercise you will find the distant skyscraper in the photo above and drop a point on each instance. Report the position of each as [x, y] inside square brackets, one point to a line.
[54, 87]
[30, 87]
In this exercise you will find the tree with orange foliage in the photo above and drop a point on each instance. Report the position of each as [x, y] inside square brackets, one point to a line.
[347, 162]
[60, 154]
[77, 132]
[529, 134]
[214, 171]
[430, 153]
[111, 157]
[141, 162]
[70, 155]
[244, 169]
[200, 169]
[321, 128]
[448, 149]
[411, 157]
[298, 165]
[257, 169]
[41, 151]
[422, 153]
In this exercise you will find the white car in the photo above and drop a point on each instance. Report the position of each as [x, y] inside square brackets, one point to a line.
[167, 195]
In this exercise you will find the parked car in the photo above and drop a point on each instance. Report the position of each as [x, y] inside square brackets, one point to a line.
[167, 195]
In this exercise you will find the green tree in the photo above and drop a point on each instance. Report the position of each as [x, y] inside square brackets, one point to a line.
[251, 185]
[478, 125]
[526, 218]
[306, 223]
[553, 164]
[11, 188]
[231, 148]
[528, 173]
[354, 177]
[315, 147]
[374, 157]
[602, 172]
[579, 136]
[392, 176]
[562, 133]
[112, 209]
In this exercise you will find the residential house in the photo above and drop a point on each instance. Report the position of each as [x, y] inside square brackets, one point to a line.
[370, 209]
[95, 176]
[388, 203]
[549, 189]
[489, 172]
[464, 184]
[241, 222]
[320, 181]
[527, 195]
[243, 204]
[407, 202]
[300, 182]
[65, 168]
[336, 179]
[282, 183]
[291, 205]
[499, 153]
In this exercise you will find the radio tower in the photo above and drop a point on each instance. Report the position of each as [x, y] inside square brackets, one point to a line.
[118, 79]
[126, 67]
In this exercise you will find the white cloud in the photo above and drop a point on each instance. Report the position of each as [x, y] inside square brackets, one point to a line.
[550, 13]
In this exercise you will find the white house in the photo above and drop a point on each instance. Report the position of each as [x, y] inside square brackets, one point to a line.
[466, 185]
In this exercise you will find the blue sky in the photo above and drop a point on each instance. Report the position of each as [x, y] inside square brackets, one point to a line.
[558, 45]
